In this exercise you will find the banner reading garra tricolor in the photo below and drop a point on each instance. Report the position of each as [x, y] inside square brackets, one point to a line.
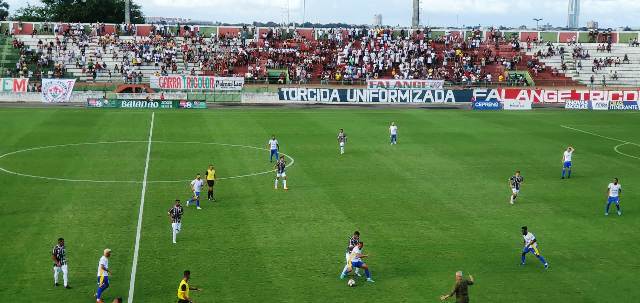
[178, 82]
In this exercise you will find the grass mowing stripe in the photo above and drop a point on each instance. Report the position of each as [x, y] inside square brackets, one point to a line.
[136, 248]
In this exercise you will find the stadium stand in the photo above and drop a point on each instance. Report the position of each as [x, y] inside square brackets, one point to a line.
[132, 54]
[594, 64]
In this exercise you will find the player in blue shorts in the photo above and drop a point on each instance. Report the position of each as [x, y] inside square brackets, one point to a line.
[531, 246]
[613, 196]
[566, 162]
[273, 148]
[196, 188]
[356, 261]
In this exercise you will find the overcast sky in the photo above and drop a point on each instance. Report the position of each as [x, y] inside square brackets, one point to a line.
[610, 13]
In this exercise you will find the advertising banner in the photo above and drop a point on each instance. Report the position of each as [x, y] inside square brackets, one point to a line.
[623, 105]
[373, 95]
[57, 90]
[14, 85]
[155, 96]
[600, 105]
[516, 105]
[487, 105]
[570, 104]
[153, 104]
[404, 84]
[553, 96]
[206, 83]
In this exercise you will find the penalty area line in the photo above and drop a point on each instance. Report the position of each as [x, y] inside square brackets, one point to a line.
[615, 148]
[136, 249]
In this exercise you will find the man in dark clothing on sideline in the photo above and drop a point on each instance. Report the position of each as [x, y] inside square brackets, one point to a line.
[460, 289]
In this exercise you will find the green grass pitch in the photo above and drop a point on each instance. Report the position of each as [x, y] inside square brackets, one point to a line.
[435, 203]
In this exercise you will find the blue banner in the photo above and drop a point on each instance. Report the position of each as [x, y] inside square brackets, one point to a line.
[623, 105]
[487, 105]
[374, 95]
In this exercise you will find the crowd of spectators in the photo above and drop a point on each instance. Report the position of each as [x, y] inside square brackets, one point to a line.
[342, 55]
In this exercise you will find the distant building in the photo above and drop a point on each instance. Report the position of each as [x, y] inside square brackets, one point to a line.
[377, 20]
[415, 20]
[592, 24]
[573, 17]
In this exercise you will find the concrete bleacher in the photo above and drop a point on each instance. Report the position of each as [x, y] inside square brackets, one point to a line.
[628, 73]
[147, 70]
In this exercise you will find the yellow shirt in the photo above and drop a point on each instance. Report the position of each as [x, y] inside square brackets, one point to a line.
[211, 174]
[183, 294]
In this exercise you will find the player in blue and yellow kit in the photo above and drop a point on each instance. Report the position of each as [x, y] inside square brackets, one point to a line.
[356, 261]
[103, 274]
[531, 246]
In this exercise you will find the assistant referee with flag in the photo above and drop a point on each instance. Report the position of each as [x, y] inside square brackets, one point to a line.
[184, 288]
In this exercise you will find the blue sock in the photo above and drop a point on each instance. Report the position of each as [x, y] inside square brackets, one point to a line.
[563, 170]
[367, 273]
[523, 258]
[541, 258]
[197, 202]
[606, 210]
[618, 207]
[344, 273]
[569, 174]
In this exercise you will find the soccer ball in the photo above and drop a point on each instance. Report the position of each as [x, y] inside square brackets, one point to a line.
[351, 282]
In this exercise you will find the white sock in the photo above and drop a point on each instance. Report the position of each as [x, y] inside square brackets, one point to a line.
[342, 150]
[511, 198]
[284, 183]
[55, 275]
[357, 270]
[345, 268]
[174, 235]
[65, 278]
[276, 184]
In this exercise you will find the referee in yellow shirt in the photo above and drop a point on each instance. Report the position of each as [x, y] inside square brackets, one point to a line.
[211, 181]
[184, 288]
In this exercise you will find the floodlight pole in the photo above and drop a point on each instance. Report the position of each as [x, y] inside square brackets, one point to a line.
[127, 11]
[537, 20]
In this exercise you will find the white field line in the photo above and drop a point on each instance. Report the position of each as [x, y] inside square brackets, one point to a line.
[136, 249]
[2, 169]
[615, 148]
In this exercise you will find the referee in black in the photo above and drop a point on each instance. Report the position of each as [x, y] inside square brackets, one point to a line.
[59, 257]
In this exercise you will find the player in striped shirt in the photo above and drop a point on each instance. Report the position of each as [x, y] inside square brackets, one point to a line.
[353, 241]
[280, 167]
[514, 183]
[342, 140]
[59, 257]
[175, 215]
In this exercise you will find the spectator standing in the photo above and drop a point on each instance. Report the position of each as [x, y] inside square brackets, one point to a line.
[460, 289]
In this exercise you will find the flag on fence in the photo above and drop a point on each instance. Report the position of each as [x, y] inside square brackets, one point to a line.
[57, 90]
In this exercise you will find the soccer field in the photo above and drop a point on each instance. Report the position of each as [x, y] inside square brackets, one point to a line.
[433, 204]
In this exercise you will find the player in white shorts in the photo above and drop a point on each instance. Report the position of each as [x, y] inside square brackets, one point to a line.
[342, 140]
[281, 166]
